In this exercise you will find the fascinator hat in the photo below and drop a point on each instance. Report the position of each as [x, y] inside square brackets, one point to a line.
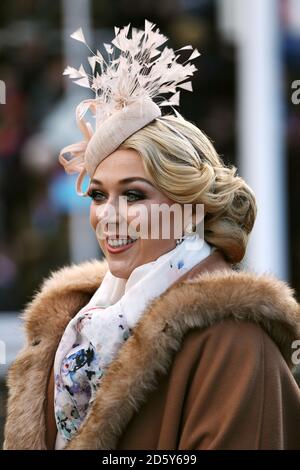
[130, 85]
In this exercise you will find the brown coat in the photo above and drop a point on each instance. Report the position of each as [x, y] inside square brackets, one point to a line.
[209, 366]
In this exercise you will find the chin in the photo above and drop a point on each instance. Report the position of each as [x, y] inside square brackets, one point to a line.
[120, 271]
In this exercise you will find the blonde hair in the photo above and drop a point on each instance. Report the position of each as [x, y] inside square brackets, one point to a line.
[185, 166]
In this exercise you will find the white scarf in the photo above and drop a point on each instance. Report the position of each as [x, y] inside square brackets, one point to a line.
[94, 336]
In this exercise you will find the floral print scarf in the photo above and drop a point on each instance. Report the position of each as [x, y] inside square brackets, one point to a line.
[94, 336]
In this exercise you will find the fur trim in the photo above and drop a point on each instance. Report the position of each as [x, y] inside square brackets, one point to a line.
[62, 291]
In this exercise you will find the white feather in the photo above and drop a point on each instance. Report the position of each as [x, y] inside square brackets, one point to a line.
[194, 55]
[174, 101]
[92, 61]
[108, 48]
[185, 48]
[186, 86]
[72, 72]
[78, 35]
[136, 69]
[83, 82]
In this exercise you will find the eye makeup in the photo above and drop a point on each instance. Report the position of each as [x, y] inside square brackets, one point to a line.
[131, 194]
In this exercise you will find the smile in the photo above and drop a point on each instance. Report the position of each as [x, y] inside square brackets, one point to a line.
[116, 245]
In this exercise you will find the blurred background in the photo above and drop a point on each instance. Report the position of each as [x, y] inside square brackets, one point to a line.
[246, 99]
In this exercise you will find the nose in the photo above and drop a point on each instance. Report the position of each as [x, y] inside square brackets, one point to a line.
[112, 215]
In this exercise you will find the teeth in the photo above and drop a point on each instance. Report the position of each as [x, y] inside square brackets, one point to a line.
[120, 242]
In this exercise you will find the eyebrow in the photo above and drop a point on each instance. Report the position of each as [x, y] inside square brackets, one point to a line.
[124, 181]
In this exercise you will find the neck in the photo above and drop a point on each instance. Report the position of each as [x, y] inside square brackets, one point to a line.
[213, 262]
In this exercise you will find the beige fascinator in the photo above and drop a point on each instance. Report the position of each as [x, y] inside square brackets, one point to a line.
[129, 92]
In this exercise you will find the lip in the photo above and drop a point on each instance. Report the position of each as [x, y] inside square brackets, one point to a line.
[118, 249]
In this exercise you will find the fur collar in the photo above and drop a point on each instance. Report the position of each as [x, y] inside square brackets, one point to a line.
[207, 298]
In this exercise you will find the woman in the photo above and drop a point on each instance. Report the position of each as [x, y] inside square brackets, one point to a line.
[164, 344]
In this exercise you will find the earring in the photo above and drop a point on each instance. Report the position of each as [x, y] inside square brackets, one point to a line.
[190, 228]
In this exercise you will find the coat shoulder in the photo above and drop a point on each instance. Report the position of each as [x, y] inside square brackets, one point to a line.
[232, 339]
[215, 296]
[81, 276]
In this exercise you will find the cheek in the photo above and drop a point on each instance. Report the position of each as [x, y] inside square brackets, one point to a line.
[93, 217]
[161, 221]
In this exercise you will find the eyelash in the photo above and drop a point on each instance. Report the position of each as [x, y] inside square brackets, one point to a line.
[93, 194]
